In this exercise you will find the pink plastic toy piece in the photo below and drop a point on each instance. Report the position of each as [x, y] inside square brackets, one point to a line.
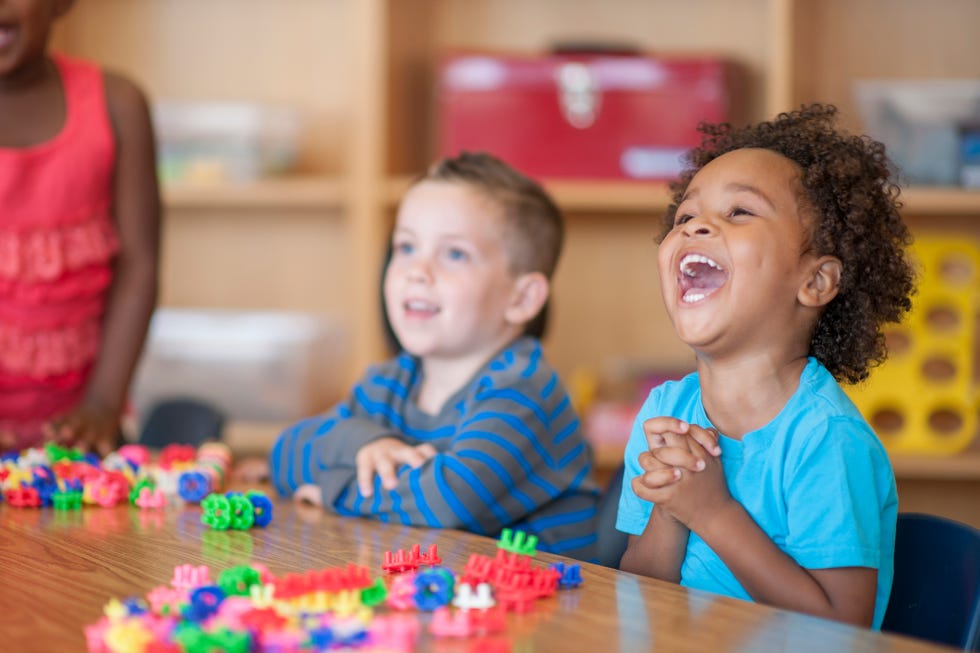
[95, 636]
[165, 600]
[445, 623]
[401, 594]
[394, 632]
[107, 489]
[135, 453]
[151, 499]
[189, 576]
[466, 623]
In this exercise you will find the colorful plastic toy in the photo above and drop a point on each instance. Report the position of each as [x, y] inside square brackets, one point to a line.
[518, 542]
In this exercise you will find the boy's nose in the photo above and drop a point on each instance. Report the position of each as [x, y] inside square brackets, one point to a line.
[420, 271]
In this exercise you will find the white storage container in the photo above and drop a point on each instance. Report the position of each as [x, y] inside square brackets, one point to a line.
[920, 123]
[254, 366]
[210, 142]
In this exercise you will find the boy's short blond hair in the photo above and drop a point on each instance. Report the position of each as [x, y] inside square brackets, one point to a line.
[535, 223]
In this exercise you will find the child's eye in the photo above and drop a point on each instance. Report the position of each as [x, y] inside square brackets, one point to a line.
[738, 210]
[456, 254]
[681, 219]
[402, 249]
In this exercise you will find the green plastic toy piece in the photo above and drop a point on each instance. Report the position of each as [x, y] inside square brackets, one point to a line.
[242, 512]
[57, 453]
[374, 595]
[518, 542]
[68, 500]
[217, 512]
[238, 581]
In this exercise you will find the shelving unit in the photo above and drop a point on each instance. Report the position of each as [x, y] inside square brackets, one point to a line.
[363, 72]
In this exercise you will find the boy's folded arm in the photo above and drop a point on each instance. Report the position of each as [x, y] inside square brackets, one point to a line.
[508, 459]
[307, 448]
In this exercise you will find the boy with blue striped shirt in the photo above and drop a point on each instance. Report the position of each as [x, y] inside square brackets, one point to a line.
[469, 427]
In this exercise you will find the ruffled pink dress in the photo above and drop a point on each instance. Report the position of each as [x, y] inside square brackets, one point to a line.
[57, 244]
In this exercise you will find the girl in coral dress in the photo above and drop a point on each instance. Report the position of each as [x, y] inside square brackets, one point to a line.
[79, 234]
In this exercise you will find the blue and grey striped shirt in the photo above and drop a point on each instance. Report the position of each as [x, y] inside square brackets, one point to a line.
[510, 453]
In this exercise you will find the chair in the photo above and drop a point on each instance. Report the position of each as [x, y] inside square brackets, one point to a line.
[612, 542]
[936, 591]
[181, 421]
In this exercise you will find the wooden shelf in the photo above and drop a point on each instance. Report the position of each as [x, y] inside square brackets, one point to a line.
[586, 195]
[288, 192]
[959, 467]
[964, 466]
[593, 195]
[936, 200]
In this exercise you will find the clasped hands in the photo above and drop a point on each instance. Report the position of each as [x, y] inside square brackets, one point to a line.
[682, 471]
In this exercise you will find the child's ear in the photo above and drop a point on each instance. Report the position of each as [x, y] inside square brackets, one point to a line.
[530, 293]
[822, 283]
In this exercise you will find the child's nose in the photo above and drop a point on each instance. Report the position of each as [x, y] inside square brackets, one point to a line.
[420, 270]
[699, 226]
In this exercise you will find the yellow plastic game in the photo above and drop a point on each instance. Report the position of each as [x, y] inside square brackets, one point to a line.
[923, 399]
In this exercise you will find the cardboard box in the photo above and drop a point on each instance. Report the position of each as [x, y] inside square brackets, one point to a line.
[582, 115]
[253, 365]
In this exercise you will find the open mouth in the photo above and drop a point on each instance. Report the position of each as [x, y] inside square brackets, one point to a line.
[699, 277]
[420, 308]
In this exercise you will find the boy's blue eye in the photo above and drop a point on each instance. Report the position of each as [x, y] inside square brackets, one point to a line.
[456, 254]
[403, 248]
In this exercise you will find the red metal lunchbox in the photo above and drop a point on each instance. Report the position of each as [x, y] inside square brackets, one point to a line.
[581, 115]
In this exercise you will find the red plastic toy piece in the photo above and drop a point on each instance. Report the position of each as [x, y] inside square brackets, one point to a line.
[24, 497]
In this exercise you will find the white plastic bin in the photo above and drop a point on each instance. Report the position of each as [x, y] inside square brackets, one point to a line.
[255, 366]
[920, 121]
[209, 142]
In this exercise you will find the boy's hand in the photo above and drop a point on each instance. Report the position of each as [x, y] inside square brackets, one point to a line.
[383, 457]
[89, 425]
[309, 494]
[253, 469]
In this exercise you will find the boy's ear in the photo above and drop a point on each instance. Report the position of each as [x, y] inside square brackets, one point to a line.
[822, 283]
[530, 294]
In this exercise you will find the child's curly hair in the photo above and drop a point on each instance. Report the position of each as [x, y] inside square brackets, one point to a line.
[846, 182]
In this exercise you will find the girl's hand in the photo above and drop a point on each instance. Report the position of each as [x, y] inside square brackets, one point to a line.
[89, 425]
[669, 431]
[692, 496]
[383, 457]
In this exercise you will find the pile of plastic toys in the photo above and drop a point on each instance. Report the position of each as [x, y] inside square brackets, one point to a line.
[247, 609]
[65, 479]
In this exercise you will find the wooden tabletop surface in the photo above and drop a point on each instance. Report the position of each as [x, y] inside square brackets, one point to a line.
[60, 568]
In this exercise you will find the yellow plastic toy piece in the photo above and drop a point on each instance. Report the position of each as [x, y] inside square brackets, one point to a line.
[923, 398]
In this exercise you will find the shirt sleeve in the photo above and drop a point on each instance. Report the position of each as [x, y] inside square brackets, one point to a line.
[516, 447]
[634, 512]
[319, 450]
[845, 467]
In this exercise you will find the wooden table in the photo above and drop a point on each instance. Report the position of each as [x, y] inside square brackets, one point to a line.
[58, 570]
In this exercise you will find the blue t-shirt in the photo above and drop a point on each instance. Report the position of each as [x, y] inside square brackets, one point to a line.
[816, 479]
